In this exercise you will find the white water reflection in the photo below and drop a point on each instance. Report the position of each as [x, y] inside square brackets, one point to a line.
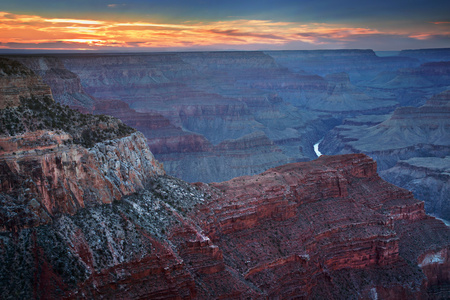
[316, 147]
[445, 221]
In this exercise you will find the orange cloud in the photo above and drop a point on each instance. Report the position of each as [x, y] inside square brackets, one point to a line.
[421, 36]
[99, 34]
[74, 21]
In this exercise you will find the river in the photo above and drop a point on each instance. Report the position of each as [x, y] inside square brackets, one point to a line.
[316, 147]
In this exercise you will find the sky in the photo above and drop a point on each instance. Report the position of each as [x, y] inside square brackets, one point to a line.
[187, 25]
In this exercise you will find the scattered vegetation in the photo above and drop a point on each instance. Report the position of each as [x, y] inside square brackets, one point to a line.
[45, 114]
[13, 68]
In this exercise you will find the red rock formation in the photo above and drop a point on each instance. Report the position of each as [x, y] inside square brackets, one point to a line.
[295, 229]
[327, 228]
[163, 137]
[330, 228]
[55, 176]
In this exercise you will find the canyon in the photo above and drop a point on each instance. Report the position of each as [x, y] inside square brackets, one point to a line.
[412, 148]
[206, 99]
[212, 116]
[87, 211]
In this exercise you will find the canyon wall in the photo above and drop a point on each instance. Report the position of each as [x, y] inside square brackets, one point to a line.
[16, 81]
[66, 86]
[94, 216]
[210, 98]
[327, 228]
[189, 105]
[410, 135]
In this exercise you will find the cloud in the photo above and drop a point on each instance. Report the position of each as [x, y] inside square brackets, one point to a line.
[75, 21]
[235, 32]
[33, 30]
[115, 5]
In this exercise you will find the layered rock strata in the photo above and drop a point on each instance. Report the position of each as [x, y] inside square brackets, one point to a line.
[46, 175]
[55, 161]
[66, 86]
[328, 228]
[17, 81]
[428, 178]
[208, 98]
[409, 133]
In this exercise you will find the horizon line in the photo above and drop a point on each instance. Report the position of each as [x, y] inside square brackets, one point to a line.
[136, 51]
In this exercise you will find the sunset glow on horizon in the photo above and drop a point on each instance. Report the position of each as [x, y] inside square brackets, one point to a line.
[35, 31]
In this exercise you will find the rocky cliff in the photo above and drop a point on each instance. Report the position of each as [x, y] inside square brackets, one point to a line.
[66, 85]
[94, 216]
[328, 228]
[17, 81]
[428, 178]
[55, 160]
[408, 133]
[44, 174]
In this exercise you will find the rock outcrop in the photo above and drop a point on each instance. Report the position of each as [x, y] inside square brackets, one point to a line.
[409, 133]
[66, 85]
[87, 215]
[327, 228]
[54, 160]
[17, 81]
[46, 174]
[428, 178]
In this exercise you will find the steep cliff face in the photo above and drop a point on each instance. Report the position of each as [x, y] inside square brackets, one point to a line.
[17, 82]
[66, 86]
[314, 228]
[328, 228]
[408, 133]
[428, 178]
[49, 176]
[55, 160]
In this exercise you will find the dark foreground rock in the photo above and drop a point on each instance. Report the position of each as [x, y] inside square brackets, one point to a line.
[327, 228]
